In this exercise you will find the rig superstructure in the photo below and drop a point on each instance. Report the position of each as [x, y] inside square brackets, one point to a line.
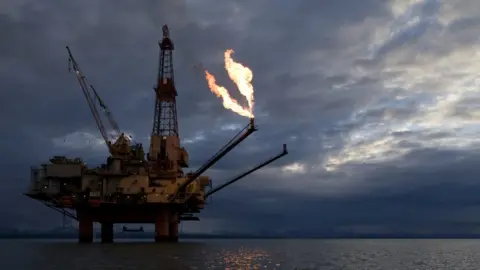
[132, 187]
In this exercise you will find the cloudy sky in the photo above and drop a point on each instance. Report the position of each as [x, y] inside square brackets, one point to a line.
[378, 102]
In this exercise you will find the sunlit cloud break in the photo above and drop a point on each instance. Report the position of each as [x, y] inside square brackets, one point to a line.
[435, 87]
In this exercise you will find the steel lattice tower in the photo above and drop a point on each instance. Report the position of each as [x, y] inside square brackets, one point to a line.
[165, 117]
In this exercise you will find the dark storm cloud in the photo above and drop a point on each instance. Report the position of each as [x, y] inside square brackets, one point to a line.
[301, 53]
[434, 198]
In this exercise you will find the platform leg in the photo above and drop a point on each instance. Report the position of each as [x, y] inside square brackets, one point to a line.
[85, 230]
[107, 232]
[162, 226]
[173, 227]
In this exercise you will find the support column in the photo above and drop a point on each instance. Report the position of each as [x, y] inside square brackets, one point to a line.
[161, 225]
[107, 232]
[173, 227]
[85, 229]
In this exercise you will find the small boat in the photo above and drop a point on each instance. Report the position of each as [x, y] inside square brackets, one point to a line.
[125, 229]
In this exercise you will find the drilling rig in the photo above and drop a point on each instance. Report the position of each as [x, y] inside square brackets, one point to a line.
[132, 187]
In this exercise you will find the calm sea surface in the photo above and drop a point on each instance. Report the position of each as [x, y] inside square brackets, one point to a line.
[243, 254]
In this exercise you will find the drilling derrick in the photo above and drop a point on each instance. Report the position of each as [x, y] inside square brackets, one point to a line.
[166, 157]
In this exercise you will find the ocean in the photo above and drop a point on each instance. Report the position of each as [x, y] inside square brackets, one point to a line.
[371, 254]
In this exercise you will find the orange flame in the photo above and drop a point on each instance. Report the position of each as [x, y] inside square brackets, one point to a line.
[242, 76]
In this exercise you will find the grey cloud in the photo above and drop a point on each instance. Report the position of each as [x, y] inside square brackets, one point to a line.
[406, 31]
[431, 208]
[293, 48]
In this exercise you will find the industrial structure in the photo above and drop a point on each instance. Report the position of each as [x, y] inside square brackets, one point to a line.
[133, 187]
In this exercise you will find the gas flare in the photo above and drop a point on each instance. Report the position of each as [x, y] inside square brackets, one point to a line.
[242, 76]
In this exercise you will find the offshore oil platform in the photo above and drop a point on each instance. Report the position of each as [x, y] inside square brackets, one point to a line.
[133, 187]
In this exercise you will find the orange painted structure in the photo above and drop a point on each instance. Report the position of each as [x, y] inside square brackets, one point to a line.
[133, 187]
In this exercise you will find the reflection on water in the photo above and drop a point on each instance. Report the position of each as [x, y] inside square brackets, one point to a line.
[243, 254]
[195, 254]
[243, 258]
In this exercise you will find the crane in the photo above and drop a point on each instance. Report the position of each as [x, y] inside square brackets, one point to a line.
[121, 147]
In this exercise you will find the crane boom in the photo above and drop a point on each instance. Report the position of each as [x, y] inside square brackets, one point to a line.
[108, 113]
[121, 146]
[91, 103]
